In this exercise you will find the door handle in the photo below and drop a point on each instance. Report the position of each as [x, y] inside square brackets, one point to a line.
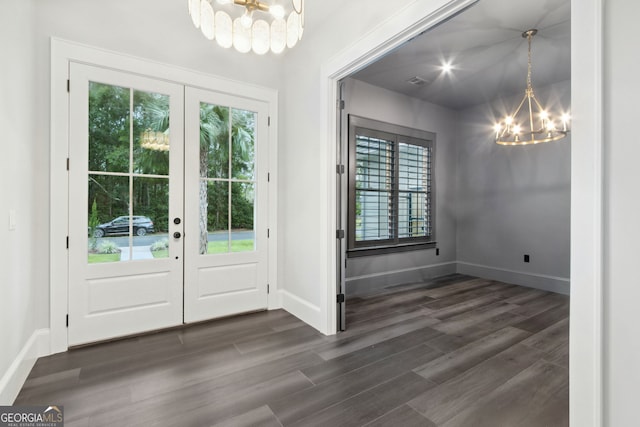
[177, 235]
[176, 221]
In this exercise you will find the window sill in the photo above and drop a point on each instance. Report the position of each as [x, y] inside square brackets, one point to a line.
[381, 250]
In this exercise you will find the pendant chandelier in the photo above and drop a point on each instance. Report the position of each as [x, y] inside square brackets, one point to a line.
[250, 25]
[156, 141]
[531, 124]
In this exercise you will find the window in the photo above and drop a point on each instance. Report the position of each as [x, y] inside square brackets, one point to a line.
[390, 186]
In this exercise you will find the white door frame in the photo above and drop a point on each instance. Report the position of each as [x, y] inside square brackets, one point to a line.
[62, 54]
[586, 341]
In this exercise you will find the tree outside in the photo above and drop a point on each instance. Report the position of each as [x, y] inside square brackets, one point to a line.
[227, 157]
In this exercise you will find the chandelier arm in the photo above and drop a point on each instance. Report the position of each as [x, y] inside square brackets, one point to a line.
[536, 101]
[531, 127]
[520, 106]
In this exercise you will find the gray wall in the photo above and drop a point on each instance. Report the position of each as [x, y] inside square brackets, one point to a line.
[494, 204]
[368, 273]
[514, 201]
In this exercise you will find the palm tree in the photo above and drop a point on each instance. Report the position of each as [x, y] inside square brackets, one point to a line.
[217, 147]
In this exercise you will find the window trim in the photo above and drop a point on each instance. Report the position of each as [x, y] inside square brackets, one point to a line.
[398, 134]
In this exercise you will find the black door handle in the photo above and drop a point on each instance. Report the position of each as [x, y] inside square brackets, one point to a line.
[176, 235]
[176, 221]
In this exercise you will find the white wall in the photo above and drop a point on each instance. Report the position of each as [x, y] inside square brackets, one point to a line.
[23, 254]
[514, 201]
[365, 273]
[622, 208]
[302, 174]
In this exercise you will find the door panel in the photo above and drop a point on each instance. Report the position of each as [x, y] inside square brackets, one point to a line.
[126, 175]
[226, 205]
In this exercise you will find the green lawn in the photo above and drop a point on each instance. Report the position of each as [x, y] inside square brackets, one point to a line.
[98, 258]
[217, 248]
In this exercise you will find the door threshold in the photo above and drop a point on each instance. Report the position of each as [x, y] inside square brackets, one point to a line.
[162, 330]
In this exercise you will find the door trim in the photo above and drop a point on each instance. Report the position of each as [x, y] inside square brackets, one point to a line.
[62, 54]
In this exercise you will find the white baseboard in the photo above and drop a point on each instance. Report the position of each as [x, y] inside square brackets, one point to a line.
[543, 282]
[13, 379]
[359, 285]
[303, 310]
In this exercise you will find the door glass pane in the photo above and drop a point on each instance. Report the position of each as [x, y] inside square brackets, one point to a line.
[214, 218]
[150, 220]
[227, 145]
[107, 217]
[108, 128]
[242, 217]
[214, 141]
[243, 144]
[130, 217]
[151, 133]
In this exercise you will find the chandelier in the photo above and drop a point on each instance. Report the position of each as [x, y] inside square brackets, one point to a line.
[256, 25]
[532, 124]
[152, 140]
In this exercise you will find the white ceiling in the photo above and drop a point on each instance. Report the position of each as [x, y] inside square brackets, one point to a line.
[485, 46]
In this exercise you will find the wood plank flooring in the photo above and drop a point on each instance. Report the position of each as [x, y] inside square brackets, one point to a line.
[454, 352]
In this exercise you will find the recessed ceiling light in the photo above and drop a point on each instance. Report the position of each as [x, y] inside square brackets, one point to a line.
[446, 67]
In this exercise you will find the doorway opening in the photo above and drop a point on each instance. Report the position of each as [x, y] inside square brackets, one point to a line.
[454, 79]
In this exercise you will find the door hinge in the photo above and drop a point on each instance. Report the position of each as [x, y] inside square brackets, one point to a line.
[268, 233]
[340, 169]
[67, 163]
[339, 234]
[267, 288]
[268, 177]
[68, 85]
[67, 242]
[340, 298]
[67, 320]
[269, 121]
[341, 104]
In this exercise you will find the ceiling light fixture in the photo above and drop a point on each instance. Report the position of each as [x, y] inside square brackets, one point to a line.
[250, 29]
[533, 124]
[152, 140]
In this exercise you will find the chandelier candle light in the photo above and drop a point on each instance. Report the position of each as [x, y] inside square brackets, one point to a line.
[261, 25]
[532, 125]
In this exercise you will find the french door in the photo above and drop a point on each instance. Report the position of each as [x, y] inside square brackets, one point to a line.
[226, 195]
[163, 229]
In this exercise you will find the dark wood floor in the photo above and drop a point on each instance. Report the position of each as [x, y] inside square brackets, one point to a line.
[468, 352]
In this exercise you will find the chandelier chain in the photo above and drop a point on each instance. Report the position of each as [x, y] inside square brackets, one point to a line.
[529, 36]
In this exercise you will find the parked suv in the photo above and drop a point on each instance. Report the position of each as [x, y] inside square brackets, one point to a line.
[141, 226]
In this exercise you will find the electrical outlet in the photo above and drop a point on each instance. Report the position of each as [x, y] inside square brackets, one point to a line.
[526, 258]
[437, 251]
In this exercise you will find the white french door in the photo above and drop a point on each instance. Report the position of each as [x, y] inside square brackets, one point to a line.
[125, 193]
[226, 197]
[167, 223]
